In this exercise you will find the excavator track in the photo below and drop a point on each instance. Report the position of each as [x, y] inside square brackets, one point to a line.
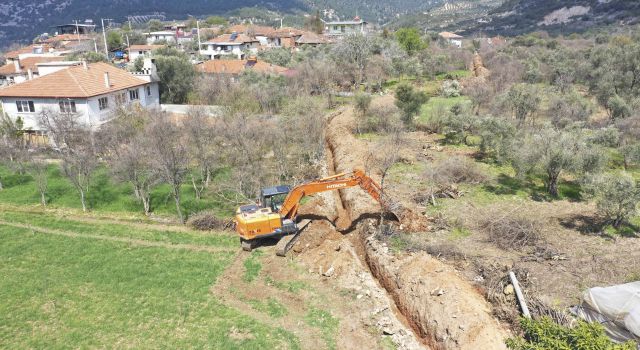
[287, 242]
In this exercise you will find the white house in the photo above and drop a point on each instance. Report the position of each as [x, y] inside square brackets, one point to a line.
[229, 44]
[164, 35]
[91, 91]
[19, 70]
[340, 28]
[144, 51]
[452, 38]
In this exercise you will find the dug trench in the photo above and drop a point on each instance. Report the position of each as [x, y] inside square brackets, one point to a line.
[430, 304]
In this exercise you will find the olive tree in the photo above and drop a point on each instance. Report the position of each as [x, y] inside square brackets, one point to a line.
[354, 51]
[409, 100]
[524, 100]
[616, 196]
[550, 152]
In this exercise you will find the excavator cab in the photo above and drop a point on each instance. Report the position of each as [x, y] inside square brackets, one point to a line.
[273, 197]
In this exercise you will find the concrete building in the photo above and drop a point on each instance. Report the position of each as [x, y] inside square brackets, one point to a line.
[451, 38]
[229, 44]
[90, 91]
[144, 51]
[340, 28]
[166, 36]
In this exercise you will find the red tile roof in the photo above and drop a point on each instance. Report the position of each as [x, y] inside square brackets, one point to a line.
[26, 64]
[75, 82]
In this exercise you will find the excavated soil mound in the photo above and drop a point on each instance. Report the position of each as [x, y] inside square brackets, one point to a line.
[444, 310]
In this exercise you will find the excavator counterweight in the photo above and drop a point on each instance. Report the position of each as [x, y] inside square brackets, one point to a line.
[276, 214]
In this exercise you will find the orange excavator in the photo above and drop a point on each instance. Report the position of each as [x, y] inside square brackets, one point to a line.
[275, 216]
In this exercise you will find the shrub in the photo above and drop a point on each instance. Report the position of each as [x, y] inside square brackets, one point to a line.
[513, 231]
[456, 170]
[544, 334]
[451, 88]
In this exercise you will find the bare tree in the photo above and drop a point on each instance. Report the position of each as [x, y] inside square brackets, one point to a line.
[203, 151]
[125, 148]
[170, 156]
[37, 168]
[75, 142]
[384, 155]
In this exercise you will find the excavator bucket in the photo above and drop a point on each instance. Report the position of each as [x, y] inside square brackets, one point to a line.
[287, 242]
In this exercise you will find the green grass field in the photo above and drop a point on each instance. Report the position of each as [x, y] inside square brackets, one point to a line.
[442, 103]
[103, 196]
[96, 289]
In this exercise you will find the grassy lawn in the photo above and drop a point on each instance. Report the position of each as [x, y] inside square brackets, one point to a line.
[61, 292]
[103, 196]
[51, 220]
[439, 103]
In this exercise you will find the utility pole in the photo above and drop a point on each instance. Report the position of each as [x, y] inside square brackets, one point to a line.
[104, 36]
[199, 42]
[77, 30]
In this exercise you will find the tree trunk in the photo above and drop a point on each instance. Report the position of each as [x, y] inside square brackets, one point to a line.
[552, 185]
[1, 187]
[176, 197]
[82, 199]
[196, 189]
[146, 203]
[43, 199]
[207, 181]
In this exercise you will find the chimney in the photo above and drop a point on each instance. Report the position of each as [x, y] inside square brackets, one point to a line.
[107, 82]
[16, 63]
[29, 73]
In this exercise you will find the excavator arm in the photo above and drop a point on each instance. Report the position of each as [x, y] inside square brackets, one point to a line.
[291, 203]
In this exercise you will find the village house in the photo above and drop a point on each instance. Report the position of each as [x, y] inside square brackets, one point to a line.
[143, 51]
[261, 33]
[35, 50]
[235, 44]
[20, 70]
[234, 68]
[163, 36]
[451, 38]
[91, 91]
[341, 28]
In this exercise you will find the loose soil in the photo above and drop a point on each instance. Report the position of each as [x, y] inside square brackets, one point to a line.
[416, 291]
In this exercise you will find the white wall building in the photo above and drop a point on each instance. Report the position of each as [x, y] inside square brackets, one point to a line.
[167, 36]
[144, 51]
[341, 28]
[90, 91]
[230, 44]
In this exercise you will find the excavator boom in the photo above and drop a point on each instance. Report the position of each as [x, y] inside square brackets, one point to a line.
[256, 222]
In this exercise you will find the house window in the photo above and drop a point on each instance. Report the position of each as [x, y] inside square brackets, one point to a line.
[148, 90]
[25, 106]
[133, 95]
[121, 99]
[67, 106]
[103, 103]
